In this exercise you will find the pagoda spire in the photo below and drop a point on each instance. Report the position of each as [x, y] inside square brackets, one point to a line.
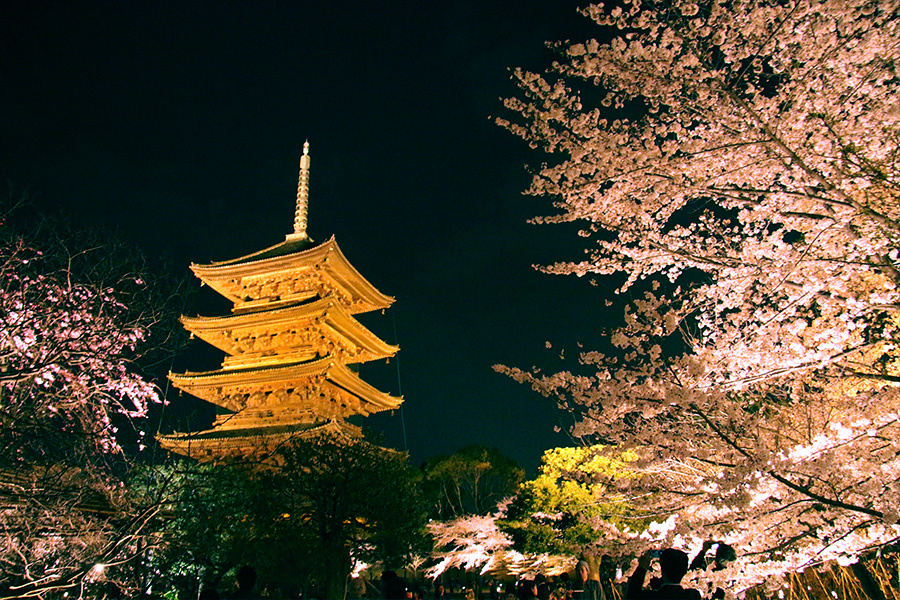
[302, 199]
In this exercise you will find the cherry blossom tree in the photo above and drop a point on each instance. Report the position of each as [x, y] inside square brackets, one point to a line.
[65, 359]
[478, 544]
[69, 380]
[736, 163]
[468, 543]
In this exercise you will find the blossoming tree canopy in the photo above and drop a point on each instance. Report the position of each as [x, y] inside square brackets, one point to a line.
[76, 321]
[64, 367]
[470, 542]
[738, 162]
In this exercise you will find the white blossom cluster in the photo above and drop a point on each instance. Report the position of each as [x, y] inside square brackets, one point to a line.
[476, 543]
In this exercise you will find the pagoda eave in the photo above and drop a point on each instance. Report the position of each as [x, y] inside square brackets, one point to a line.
[214, 386]
[326, 324]
[218, 444]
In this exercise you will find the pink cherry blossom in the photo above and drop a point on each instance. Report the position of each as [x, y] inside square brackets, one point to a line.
[743, 173]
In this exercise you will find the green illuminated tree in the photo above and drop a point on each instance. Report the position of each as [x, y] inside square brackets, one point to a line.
[564, 509]
[327, 505]
[219, 522]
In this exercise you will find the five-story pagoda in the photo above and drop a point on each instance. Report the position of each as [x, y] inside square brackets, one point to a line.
[288, 341]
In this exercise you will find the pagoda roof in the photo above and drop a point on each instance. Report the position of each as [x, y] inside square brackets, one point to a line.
[219, 443]
[210, 385]
[330, 318]
[293, 259]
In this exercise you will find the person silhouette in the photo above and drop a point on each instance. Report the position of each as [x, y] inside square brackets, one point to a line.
[392, 587]
[583, 587]
[674, 565]
[724, 555]
[246, 580]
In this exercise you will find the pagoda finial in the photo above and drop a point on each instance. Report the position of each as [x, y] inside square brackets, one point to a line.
[302, 198]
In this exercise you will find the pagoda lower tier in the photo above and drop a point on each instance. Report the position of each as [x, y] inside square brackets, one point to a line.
[255, 443]
[268, 405]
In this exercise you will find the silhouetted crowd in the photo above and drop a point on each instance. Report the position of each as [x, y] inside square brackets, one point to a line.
[673, 566]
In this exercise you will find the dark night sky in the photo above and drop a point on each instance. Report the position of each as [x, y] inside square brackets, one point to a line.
[180, 124]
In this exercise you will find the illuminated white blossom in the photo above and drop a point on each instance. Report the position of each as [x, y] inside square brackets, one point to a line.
[740, 166]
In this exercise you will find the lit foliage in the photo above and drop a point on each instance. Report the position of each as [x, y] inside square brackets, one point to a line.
[68, 343]
[219, 522]
[549, 522]
[741, 169]
[570, 508]
[470, 482]
[324, 508]
[477, 543]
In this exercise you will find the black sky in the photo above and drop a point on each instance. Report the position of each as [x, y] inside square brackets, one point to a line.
[180, 125]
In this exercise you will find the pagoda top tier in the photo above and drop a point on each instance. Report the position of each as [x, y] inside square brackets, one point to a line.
[290, 272]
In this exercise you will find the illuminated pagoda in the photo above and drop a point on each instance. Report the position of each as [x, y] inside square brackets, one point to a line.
[290, 344]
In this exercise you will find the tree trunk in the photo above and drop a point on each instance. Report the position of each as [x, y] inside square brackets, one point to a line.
[335, 578]
[868, 583]
[337, 566]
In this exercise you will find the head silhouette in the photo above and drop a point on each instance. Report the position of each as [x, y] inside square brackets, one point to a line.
[724, 555]
[246, 578]
[673, 564]
[583, 570]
